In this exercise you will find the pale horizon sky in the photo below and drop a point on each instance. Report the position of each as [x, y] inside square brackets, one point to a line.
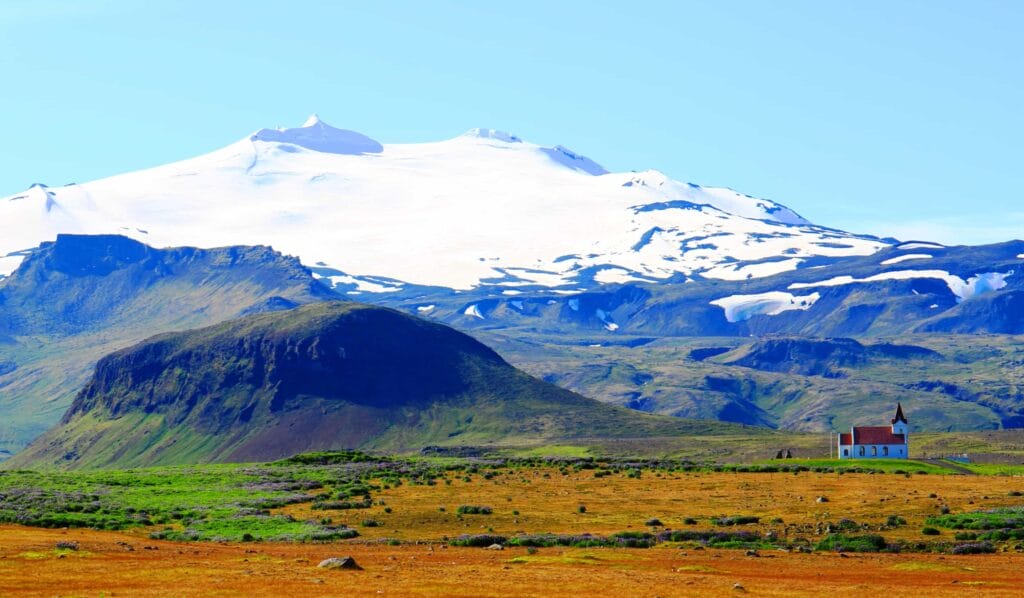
[890, 118]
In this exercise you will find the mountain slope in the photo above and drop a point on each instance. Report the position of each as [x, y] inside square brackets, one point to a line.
[484, 208]
[327, 375]
[907, 288]
[78, 298]
[945, 382]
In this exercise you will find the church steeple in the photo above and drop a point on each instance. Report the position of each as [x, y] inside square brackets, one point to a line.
[899, 415]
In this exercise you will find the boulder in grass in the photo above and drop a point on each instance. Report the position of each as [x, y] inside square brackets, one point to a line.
[495, 547]
[345, 562]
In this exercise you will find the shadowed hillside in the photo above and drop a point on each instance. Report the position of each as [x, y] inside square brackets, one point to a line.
[321, 376]
[74, 300]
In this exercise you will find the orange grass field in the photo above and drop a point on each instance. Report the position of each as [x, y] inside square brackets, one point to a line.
[548, 501]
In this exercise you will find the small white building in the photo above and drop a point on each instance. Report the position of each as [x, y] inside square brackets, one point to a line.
[877, 442]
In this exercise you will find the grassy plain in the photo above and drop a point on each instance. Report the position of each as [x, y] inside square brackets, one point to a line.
[236, 529]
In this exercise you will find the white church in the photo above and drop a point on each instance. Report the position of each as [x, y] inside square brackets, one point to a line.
[877, 442]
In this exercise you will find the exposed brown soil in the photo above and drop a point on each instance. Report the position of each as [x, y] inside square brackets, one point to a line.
[103, 565]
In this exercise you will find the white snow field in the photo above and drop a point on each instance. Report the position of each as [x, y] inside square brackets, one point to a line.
[904, 258]
[743, 307]
[963, 289]
[481, 208]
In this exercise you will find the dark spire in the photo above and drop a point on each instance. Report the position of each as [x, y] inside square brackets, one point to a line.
[899, 415]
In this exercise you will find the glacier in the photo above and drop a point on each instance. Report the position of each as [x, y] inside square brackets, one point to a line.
[485, 208]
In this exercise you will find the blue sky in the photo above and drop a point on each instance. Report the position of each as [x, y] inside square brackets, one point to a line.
[900, 118]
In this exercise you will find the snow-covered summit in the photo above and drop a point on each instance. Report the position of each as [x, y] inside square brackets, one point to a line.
[319, 136]
[479, 133]
[484, 208]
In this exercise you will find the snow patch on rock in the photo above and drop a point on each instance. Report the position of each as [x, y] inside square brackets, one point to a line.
[963, 289]
[904, 258]
[743, 307]
[362, 285]
[919, 245]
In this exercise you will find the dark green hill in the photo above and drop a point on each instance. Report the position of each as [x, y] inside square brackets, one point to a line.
[74, 300]
[323, 376]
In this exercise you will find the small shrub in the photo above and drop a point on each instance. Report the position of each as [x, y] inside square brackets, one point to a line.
[371, 523]
[581, 509]
[473, 510]
[67, 545]
[842, 543]
[930, 531]
[895, 521]
[846, 525]
[653, 522]
[479, 540]
[736, 520]
[974, 548]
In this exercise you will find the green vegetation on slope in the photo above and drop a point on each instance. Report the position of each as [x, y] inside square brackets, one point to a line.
[81, 297]
[321, 376]
[945, 382]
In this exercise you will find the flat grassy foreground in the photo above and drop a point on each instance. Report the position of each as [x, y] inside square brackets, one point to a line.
[425, 526]
[119, 564]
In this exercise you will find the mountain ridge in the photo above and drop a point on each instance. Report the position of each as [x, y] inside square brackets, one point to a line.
[485, 191]
[75, 299]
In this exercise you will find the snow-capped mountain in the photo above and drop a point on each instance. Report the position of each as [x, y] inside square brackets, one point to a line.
[483, 208]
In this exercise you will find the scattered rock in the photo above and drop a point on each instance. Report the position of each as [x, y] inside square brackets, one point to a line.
[495, 547]
[821, 499]
[753, 553]
[67, 545]
[345, 562]
[739, 587]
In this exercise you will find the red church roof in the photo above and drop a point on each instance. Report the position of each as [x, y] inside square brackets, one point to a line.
[872, 435]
